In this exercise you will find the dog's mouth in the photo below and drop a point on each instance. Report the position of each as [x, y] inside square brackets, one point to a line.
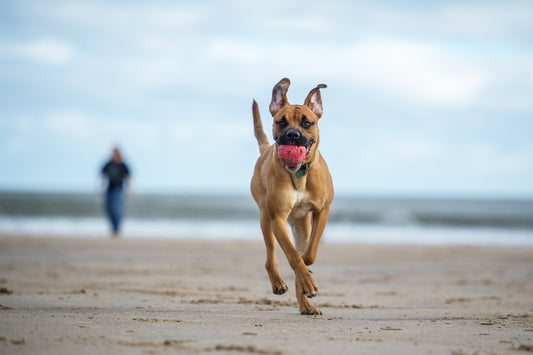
[293, 156]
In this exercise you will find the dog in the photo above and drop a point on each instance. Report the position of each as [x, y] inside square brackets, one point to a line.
[297, 190]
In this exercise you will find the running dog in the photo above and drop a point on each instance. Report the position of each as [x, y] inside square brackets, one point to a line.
[291, 183]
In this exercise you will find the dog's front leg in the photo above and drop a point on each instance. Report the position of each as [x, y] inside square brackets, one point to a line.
[305, 306]
[305, 284]
[278, 285]
[319, 224]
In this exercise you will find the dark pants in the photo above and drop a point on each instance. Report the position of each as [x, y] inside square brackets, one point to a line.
[115, 207]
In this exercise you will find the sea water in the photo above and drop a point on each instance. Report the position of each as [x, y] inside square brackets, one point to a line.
[432, 221]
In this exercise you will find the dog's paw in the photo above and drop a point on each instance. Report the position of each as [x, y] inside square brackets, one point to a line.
[311, 311]
[311, 294]
[305, 284]
[280, 290]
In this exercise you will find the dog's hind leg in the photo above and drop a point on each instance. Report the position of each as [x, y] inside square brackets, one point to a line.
[278, 285]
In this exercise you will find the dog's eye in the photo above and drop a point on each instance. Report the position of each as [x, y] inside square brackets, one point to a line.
[307, 124]
[282, 122]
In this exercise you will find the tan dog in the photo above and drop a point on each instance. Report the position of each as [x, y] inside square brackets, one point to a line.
[299, 194]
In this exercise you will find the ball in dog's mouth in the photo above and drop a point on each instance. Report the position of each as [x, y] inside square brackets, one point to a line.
[292, 156]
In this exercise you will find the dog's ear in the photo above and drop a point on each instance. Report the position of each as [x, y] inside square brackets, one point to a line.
[279, 96]
[314, 101]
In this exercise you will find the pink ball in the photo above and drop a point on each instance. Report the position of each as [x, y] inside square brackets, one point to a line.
[292, 155]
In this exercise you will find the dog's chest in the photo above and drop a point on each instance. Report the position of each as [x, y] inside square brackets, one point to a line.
[301, 205]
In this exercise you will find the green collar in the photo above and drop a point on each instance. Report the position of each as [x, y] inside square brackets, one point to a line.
[303, 169]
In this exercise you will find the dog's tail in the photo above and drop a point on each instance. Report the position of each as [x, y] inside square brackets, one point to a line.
[258, 129]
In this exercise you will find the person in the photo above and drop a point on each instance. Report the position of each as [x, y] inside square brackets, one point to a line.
[117, 174]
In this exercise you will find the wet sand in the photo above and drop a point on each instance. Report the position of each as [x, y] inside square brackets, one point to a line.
[131, 296]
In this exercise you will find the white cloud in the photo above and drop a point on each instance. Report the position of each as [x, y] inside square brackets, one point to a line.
[69, 125]
[419, 72]
[211, 133]
[487, 159]
[509, 19]
[170, 42]
[46, 51]
[398, 151]
[300, 23]
[189, 68]
[127, 17]
[78, 127]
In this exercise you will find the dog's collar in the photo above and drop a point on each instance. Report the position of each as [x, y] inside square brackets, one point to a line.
[303, 169]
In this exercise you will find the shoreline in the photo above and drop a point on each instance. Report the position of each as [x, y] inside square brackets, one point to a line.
[123, 296]
[237, 230]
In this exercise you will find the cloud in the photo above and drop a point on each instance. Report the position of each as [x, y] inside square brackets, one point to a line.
[176, 79]
[74, 126]
[295, 23]
[398, 151]
[45, 51]
[419, 72]
[210, 133]
[169, 43]
[488, 159]
[106, 16]
[510, 20]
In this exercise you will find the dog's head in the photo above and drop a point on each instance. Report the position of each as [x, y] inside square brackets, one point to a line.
[296, 125]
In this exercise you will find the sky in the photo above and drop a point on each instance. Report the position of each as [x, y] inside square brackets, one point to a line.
[424, 98]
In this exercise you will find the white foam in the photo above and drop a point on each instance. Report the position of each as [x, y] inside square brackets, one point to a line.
[250, 230]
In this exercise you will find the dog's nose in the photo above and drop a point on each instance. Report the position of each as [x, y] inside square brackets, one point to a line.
[293, 134]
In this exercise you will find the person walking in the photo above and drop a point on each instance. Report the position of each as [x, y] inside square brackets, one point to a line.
[117, 174]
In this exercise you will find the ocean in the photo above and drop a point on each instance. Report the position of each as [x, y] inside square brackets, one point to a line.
[428, 221]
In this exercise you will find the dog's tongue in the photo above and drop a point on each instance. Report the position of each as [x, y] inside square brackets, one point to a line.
[292, 155]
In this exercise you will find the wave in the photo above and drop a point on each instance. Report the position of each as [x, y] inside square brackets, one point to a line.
[465, 213]
[94, 227]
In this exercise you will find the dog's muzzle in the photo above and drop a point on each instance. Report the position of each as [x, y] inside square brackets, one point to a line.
[293, 149]
[293, 136]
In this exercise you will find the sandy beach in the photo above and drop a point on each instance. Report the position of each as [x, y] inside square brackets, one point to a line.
[133, 296]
